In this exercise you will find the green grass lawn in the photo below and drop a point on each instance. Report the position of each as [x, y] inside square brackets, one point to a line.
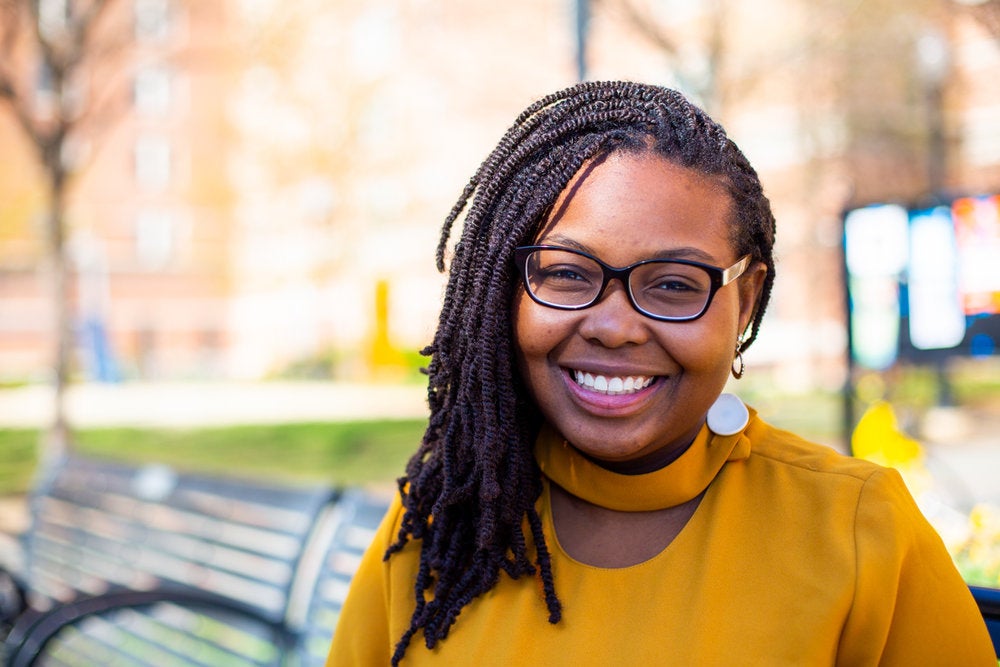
[362, 452]
[17, 459]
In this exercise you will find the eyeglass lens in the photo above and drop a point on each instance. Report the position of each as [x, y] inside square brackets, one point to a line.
[663, 288]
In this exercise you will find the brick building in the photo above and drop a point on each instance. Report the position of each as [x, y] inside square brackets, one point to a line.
[276, 163]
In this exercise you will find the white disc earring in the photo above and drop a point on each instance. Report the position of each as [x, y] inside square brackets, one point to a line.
[728, 415]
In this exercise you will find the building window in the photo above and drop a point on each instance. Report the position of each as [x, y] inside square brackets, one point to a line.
[981, 144]
[152, 162]
[155, 234]
[152, 90]
[152, 20]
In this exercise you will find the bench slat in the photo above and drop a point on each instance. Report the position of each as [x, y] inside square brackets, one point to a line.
[163, 634]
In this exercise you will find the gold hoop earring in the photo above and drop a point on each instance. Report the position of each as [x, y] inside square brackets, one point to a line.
[738, 366]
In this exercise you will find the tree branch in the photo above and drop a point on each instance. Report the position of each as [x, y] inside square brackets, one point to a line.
[647, 27]
[104, 108]
[10, 19]
[15, 100]
[83, 27]
[988, 15]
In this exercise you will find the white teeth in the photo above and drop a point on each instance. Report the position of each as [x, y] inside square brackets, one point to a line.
[612, 385]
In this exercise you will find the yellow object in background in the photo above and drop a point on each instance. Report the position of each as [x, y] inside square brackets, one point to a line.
[382, 352]
[384, 360]
[878, 438]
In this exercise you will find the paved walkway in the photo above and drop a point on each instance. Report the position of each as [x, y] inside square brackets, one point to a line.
[212, 404]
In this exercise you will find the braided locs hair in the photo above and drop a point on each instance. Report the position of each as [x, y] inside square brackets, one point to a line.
[469, 491]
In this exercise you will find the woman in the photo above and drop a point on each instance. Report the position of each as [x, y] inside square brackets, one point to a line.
[585, 494]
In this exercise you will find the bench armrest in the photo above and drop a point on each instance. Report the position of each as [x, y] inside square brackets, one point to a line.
[36, 630]
[988, 600]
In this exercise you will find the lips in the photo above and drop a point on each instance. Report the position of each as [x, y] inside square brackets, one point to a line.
[612, 385]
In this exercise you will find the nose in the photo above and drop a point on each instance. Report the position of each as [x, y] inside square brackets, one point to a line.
[612, 321]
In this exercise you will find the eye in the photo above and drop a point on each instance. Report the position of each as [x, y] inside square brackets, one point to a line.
[673, 284]
[563, 273]
[670, 283]
[566, 279]
[669, 277]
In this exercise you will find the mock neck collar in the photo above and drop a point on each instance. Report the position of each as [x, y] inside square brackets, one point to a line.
[678, 482]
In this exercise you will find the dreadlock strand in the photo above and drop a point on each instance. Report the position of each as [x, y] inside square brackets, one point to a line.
[545, 566]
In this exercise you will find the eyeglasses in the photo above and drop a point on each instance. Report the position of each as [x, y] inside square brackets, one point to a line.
[674, 290]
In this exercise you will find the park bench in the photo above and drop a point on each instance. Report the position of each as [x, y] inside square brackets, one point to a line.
[988, 600]
[141, 565]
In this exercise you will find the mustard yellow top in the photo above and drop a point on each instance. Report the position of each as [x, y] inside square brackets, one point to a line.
[796, 555]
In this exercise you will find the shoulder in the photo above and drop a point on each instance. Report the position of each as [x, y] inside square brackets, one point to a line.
[862, 507]
[805, 472]
[774, 447]
[388, 530]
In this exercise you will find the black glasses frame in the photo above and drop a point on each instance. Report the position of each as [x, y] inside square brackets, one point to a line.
[719, 278]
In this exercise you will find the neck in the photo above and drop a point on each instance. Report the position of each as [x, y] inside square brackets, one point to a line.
[679, 480]
[642, 465]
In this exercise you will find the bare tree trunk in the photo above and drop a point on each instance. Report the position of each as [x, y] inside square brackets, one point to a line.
[65, 47]
[58, 437]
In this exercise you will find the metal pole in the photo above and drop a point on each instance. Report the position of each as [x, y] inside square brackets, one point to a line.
[848, 414]
[933, 62]
[581, 29]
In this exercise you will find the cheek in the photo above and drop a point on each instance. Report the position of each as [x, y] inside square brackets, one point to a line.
[520, 323]
[533, 328]
[529, 348]
[699, 350]
[709, 345]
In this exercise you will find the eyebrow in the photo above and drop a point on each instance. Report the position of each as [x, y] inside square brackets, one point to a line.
[683, 252]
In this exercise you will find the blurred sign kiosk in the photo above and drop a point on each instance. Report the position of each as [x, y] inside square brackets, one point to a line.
[923, 285]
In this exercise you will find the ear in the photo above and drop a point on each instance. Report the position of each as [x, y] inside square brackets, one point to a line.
[750, 284]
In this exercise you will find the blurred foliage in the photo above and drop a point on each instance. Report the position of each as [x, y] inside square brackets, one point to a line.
[977, 555]
[338, 364]
[816, 416]
[320, 366]
[978, 558]
[18, 458]
[979, 383]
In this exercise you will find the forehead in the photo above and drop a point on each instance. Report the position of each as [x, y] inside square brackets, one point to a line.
[625, 207]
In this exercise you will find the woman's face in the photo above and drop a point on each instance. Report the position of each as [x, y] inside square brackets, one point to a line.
[624, 209]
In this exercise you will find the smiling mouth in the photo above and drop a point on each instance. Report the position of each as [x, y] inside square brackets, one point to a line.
[612, 385]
